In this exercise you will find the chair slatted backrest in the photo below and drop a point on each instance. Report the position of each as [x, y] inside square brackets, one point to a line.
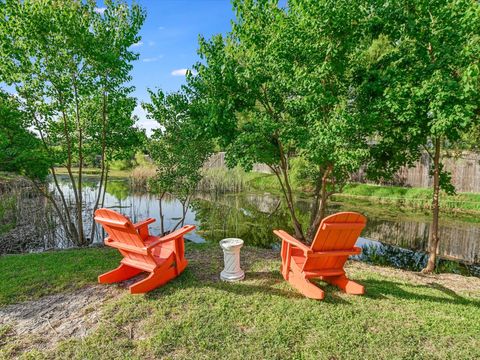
[121, 230]
[336, 232]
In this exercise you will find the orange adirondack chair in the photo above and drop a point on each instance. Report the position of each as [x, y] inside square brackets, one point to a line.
[162, 257]
[324, 259]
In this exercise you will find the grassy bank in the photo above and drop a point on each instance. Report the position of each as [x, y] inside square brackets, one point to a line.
[403, 315]
[116, 173]
[407, 197]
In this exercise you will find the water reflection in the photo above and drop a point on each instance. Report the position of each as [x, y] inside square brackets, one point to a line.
[399, 239]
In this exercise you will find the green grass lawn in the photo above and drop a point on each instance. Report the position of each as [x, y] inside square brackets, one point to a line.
[402, 316]
[30, 276]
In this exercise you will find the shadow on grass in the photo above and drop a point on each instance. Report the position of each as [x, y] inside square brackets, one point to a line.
[256, 282]
[266, 282]
[381, 289]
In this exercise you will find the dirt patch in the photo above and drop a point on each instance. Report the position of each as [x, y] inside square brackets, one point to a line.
[54, 318]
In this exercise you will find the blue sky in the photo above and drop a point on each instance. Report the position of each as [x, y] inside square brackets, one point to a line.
[170, 41]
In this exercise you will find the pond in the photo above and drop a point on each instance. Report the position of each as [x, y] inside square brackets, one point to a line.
[392, 236]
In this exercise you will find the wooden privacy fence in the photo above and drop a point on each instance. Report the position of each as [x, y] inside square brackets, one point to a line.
[465, 171]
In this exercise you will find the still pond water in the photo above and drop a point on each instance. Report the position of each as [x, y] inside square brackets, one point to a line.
[392, 236]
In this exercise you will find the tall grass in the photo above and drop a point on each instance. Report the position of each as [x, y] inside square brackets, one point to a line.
[222, 180]
[140, 175]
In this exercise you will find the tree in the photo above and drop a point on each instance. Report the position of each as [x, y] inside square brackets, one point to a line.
[278, 86]
[420, 85]
[69, 64]
[20, 149]
[177, 148]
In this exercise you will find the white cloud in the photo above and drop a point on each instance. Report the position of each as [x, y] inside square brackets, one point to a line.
[138, 44]
[161, 28]
[100, 10]
[152, 59]
[179, 72]
[182, 72]
[151, 43]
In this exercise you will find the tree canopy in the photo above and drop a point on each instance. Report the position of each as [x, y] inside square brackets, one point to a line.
[279, 85]
[69, 65]
[420, 84]
[20, 150]
[178, 148]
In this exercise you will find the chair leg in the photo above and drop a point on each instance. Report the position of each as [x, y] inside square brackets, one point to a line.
[347, 285]
[304, 286]
[160, 276]
[181, 266]
[123, 272]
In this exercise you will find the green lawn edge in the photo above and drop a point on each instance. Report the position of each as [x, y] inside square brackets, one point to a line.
[196, 316]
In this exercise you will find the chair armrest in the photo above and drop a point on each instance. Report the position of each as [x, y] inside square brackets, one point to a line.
[172, 236]
[143, 223]
[291, 240]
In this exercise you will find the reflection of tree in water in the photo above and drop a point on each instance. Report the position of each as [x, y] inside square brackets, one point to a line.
[251, 218]
[459, 242]
[389, 255]
[118, 188]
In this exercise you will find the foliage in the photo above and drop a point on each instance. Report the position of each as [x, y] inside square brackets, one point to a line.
[177, 148]
[419, 83]
[69, 64]
[20, 150]
[221, 180]
[278, 86]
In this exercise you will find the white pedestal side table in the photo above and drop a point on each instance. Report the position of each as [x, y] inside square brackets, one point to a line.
[231, 255]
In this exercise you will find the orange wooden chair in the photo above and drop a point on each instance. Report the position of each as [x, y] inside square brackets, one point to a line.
[163, 257]
[324, 259]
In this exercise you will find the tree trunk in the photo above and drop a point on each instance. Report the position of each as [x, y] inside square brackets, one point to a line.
[287, 192]
[102, 174]
[160, 207]
[434, 239]
[81, 236]
[319, 208]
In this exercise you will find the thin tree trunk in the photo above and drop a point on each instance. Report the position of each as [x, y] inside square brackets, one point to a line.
[291, 206]
[102, 174]
[105, 185]
[81, 236]
[434, 239]
[185, 205]
[160, 207]
[69, 170]
[320, 206]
